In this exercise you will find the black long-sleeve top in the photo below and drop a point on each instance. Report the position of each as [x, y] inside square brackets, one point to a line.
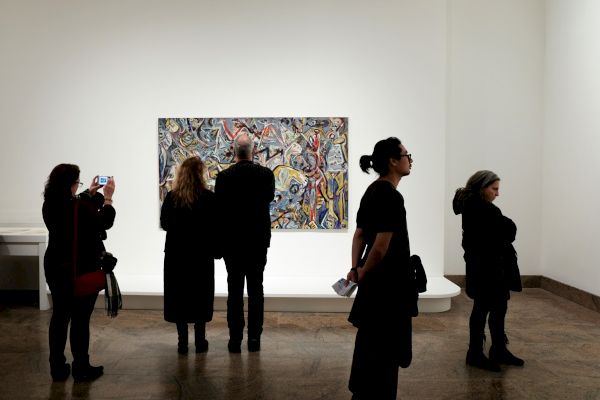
[94, 219]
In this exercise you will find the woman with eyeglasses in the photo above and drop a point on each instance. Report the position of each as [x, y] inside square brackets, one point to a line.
[89, 215]
[491, 267]
[387, 295]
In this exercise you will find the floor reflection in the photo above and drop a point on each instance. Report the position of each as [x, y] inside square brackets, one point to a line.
[307, 356]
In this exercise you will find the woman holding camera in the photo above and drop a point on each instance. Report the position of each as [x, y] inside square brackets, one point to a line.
[387, 294]
[77, 226]
[188, 217]
[491, 267]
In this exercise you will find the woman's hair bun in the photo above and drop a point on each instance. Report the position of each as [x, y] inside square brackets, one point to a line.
[366, 163]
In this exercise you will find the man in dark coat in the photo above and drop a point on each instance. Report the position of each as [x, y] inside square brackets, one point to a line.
[244, 192]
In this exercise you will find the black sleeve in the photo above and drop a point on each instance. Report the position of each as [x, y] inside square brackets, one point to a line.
[101, 218]
[509, 229]
[270, 188]
[104, 214]
[211, 214]
[97, 200]
[107, 216]
[488, 230]
[220, 186]
[166, 212]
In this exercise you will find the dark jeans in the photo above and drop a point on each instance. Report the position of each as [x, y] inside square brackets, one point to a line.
[496, 308]
[248, 265]
[76, 310]
[378, 353]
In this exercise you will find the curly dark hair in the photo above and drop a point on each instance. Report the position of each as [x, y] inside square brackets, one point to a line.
[60, 180]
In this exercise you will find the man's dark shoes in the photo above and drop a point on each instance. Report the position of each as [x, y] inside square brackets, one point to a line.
[83, 373]
[501, 355]
[234, 346]
[182, 349]
[479, 360]
[202, 346]
[60, 373]
[253, 345]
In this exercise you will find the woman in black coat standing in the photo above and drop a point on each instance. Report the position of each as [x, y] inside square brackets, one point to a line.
[68, 256]
[188, 217]
[491, 267]
[387, 293]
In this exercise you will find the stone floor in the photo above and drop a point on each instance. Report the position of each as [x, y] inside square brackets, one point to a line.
[307, 356]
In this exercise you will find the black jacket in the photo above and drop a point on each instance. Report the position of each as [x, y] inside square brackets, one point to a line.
[93, 221]
[244, 192]
[491, 260]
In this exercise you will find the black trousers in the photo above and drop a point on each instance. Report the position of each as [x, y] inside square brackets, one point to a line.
[496, 308]
[77, 311]
[378, 353]
[246, 265]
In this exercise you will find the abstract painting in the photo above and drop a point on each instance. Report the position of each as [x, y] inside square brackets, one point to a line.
[308, 156]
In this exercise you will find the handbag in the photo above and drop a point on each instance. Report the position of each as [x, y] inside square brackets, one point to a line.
[420, 275]
[88, 283]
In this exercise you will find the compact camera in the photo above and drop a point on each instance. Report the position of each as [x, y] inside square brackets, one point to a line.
[103, 180]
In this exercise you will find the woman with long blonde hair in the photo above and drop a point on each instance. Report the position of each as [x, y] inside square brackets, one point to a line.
[188, 217]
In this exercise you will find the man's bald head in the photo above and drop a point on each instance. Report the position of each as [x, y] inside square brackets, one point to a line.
[243, 147]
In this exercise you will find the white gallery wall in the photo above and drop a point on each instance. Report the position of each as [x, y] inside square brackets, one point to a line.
[506, 85]
[571, 194]
[85, 82]
[495, 89]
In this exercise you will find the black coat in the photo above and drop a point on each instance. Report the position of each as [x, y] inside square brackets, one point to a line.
[93, 221]
[244, 192]
[189, 270]
[491, 260]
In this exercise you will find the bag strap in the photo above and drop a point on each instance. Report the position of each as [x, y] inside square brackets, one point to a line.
[75, 234]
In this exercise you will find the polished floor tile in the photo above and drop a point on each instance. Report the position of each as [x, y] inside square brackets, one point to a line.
[308, 356]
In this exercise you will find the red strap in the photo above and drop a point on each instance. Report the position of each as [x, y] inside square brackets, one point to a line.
[75, 224]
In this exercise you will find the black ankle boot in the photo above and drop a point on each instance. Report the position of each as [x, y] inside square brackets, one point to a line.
[501, 355]
[60, 373]
[253, 345]
[479, 360]
[200, 337]
[182, 338]
[202, 346]
[234, 346]
[83, 371]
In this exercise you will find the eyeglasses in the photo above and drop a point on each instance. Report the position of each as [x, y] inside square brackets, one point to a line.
[407, 155]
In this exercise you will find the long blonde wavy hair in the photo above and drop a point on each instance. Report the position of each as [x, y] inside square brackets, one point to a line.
[189, 182]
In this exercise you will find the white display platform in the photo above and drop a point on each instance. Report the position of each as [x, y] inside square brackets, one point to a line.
[23, 241]
[281, 294]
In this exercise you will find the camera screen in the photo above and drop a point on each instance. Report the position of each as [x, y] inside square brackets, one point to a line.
[102, 180]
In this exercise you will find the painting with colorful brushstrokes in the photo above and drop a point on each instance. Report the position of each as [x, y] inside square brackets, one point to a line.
[308, 156]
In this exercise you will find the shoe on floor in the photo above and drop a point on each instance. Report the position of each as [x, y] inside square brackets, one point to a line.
[202, 347]
[234, 346]
[479, 360]
[253, 345]
[87, 372]
[60, 373]
[501, 355]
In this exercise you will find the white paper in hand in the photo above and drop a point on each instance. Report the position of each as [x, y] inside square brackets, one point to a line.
[344, 287]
